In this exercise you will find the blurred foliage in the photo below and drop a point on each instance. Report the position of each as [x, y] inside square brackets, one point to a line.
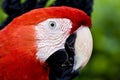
[3, 16]
[105, 61]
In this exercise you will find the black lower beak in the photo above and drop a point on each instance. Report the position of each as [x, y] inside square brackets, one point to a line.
[61, 62]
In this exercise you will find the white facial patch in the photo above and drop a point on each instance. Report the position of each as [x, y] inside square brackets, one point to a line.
[83, 47]
[51, 35]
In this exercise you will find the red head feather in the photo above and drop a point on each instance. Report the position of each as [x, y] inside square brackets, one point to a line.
[78, 17]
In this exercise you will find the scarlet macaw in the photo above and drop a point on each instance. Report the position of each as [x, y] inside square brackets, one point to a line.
[45, 44]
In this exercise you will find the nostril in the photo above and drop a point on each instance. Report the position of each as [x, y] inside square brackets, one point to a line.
[67, 64]
[71, 59]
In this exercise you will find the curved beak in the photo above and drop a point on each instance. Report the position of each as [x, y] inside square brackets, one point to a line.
[83, 47]
[66, 63]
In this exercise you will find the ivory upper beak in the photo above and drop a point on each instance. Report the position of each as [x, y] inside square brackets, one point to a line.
[83, 47]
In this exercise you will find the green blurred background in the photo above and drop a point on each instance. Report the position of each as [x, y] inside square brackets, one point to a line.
[105, 61]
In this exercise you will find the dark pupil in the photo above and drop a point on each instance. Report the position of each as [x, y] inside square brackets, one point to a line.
[52, 25]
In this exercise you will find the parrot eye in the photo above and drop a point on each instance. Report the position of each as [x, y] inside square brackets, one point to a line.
[52, 24]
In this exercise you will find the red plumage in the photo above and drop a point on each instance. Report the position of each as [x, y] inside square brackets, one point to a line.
[18, 43]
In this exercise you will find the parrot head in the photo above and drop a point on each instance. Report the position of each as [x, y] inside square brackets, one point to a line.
[57, 36]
